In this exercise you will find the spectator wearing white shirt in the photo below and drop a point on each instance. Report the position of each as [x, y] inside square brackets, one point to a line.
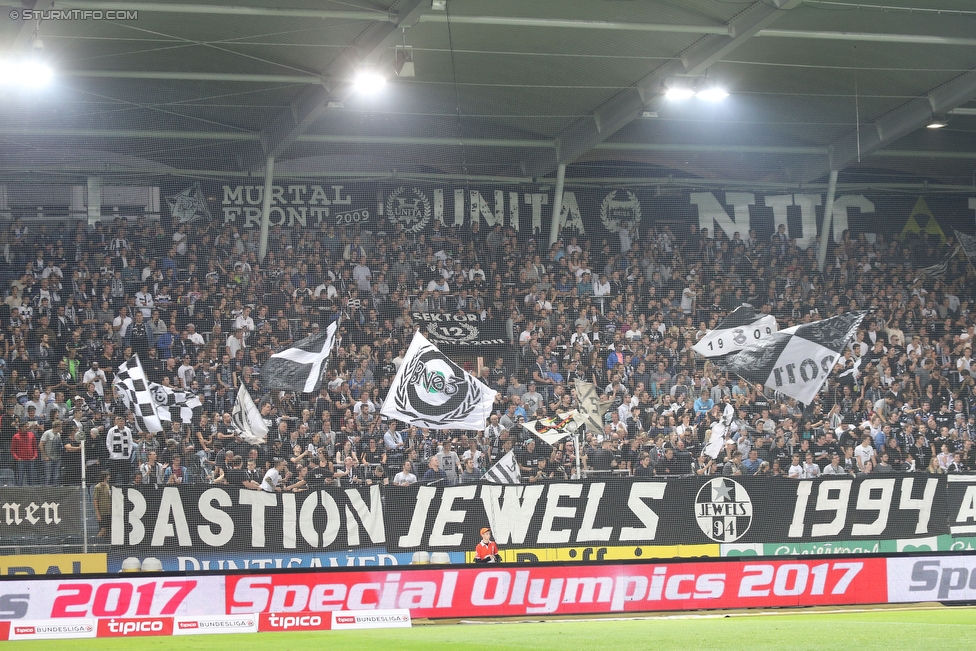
[405, 477]
[810, 469]
[144, 301]
[864, 452]
[602, 286]
[96, 377]
[193, 335]
[244, 320]
[122, 322]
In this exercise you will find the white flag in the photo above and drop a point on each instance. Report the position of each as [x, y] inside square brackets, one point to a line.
[506, 471]
[591, 407]
[554, 430]
[248, 419]
[429, 390]
[719, 430]
[734, 332]
[796, 361]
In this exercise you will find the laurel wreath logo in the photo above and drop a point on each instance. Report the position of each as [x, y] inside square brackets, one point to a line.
[611, 206]
[472, 397]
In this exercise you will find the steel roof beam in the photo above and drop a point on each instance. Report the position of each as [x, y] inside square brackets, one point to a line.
[903, 120]
[313, 101]
[609, 118]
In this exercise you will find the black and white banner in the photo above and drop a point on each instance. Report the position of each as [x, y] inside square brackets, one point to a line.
[189, 518]
[743, 326]
[461, 329]
[300, 367]
[798, 360]
[690, 510]
[967, 243]
[40, 511]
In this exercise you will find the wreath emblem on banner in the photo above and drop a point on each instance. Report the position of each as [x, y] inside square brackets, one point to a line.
[431, 375]
[723, 510]
[410, 208]
[614, 210]
[453, 333]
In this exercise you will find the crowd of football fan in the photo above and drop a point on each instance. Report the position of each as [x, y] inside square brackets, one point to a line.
[620, 310]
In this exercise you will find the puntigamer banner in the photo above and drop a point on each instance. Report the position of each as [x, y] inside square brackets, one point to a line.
[390, 524]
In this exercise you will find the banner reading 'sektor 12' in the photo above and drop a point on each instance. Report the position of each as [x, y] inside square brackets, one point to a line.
[390, 524]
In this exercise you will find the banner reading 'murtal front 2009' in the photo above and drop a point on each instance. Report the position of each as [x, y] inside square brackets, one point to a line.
[389, 524]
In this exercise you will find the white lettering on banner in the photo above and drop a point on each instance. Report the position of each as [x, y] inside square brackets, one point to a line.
[216, 516]
[12, 513]
[944, 578]
[807, 204]
[965, 520]
[834, 497]
[171, 504]
[171, 519]
[446, 515]
[639, 491]
[712, 216]
[310, 205]
[510, 510]
[554, 511]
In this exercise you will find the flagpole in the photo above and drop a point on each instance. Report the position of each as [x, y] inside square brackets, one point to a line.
[579, 448]
[84, 499]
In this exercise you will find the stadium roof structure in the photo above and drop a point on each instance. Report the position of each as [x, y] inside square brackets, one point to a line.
[501, 89]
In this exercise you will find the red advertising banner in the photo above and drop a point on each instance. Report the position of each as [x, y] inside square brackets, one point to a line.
[135, 626]
[519, 590]
[294, 622]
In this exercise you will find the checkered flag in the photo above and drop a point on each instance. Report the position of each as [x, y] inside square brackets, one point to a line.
[172, 405]
[135, 392]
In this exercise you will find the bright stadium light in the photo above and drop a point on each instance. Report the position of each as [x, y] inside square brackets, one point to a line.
[368, 82]
[676, 93]
[712, 94]
[25, 74]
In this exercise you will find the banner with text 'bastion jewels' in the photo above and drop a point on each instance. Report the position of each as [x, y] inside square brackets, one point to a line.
[220, 528]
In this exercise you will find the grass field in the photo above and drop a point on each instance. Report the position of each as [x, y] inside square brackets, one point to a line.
[891, 630]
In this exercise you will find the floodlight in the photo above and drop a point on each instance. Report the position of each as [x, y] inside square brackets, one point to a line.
[938, 121]
[676, 93]
[26, 74]
[368, 82]
[712, 94]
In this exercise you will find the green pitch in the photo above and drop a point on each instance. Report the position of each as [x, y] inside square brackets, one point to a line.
[891, 630]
